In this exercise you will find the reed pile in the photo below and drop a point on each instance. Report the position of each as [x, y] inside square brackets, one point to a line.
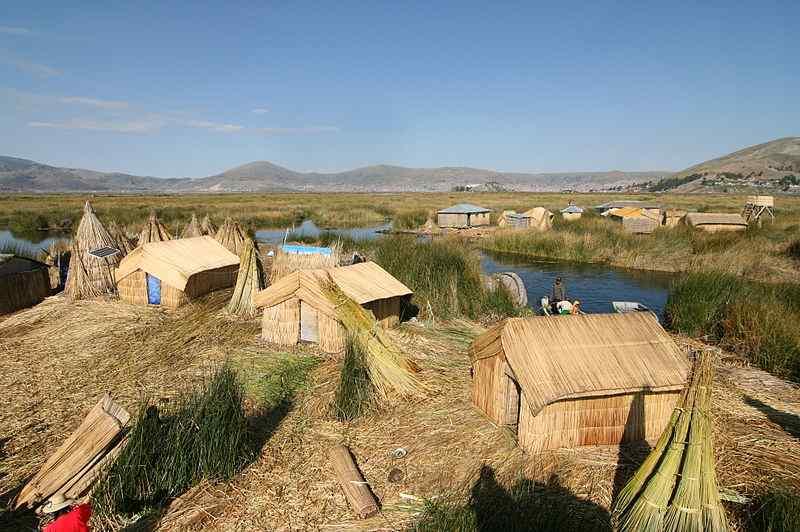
[153, 231]
[249, 281]
[231, 235]
[284, 263]
[193, 228]
[354, 393]
[90, 276]
[675, 489]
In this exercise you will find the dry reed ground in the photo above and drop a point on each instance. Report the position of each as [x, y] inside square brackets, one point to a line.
[58, 358]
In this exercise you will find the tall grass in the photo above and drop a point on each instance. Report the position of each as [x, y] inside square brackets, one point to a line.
[410, 219]
[354, 394]
[203, 435]
[445, 276]
[756, 320]
[778, 511]
[793, 250]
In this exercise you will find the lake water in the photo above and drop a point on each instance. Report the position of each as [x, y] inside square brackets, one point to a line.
[36, 244]
[310, 229]
[594, 285]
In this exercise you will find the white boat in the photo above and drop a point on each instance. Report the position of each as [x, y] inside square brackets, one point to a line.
[622, 307]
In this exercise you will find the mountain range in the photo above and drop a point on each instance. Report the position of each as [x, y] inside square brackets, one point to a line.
[768, 161]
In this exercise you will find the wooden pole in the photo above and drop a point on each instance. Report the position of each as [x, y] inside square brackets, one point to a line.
[355, 488]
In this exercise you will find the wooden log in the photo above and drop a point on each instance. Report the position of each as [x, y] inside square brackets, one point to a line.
[355, 488]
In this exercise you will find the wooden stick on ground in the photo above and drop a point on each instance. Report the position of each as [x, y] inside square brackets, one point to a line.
[355, 488]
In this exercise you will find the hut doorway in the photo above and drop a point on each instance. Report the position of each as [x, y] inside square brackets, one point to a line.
[153, 290]
[513, 401]
[309, 323]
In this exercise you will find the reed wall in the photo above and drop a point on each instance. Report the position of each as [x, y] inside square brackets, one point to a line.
[605, 420]
[133, 288]
[23, 289]
[280, 323]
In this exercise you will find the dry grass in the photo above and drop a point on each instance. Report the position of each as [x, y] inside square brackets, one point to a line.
[58, 358]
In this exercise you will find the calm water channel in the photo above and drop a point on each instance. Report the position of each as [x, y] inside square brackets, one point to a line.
[594, 285]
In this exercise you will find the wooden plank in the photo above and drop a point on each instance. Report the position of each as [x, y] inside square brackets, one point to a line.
[355, 488]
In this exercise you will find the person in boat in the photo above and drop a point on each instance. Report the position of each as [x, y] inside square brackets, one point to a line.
[557, 294]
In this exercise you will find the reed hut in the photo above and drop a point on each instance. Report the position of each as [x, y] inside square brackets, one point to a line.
[123, 243]
[249, 281]
[673, 217]
[192, 229]
[24, 282]
[93, 257]
[712, 222]
[297, 309]
[538, 218]
[463, 216]
[174, 272]
[568, 381]
[504, 220]
[153, 231]
[571, 212]
[207, 226]
[231, 235]
[650, 209]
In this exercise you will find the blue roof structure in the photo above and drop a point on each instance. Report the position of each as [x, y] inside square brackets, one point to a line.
[572, 209]
[306, 250]
[463, 208]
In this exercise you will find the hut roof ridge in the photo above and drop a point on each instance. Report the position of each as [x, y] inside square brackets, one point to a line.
[463, 208]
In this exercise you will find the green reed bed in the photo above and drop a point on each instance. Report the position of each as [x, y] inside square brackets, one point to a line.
[776, 511]
[202, 435]
[756, 320]
[410, 219]
[445, 276]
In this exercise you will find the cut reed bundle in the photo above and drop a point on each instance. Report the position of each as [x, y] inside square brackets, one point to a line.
[675, 489]
[124, 244]
[90, 276]
[389, 369]
[354, 393]
[231, 235]
[193, 228]
[207, 227]
[249, 281]
[153, 231]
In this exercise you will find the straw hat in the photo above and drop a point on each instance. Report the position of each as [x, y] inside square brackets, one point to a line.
[56, 503]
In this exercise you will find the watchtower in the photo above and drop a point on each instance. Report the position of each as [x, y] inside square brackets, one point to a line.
[756, 206]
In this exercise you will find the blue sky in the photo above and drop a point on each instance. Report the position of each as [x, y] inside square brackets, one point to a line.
[183, 89]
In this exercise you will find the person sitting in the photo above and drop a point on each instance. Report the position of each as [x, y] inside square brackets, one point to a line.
[68, 515]
[576, 307]
[564, 307]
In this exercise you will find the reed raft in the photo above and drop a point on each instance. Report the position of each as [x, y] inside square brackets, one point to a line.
[231, 235]
[153, 231]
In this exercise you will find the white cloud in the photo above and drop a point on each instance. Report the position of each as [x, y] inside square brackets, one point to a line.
[94, 102]
[30, 67]
[132, 126]
[260, 111]
[15, 30]
[296, 130]
[213, 126]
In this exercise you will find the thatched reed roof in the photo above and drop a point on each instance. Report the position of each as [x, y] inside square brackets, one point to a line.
[175, 261]
[153, 231]
[124, 244]
[193, 228]
[539, 218]
[713, 218]
[207, 226]
[248, 283]
[566, 357]
[90, 276]
[231, 235]
[363, 283]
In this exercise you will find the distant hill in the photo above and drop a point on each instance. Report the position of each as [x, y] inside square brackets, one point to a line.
[22, 175]
[774, 164]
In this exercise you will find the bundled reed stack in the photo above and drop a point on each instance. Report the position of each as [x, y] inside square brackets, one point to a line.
[57, 258]
[153, 231]
[390, 371]
[231, 235]
[207, 227]
[248, 282]
[90, 276]
[124, 244]
[675, 489]
[193, 229]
